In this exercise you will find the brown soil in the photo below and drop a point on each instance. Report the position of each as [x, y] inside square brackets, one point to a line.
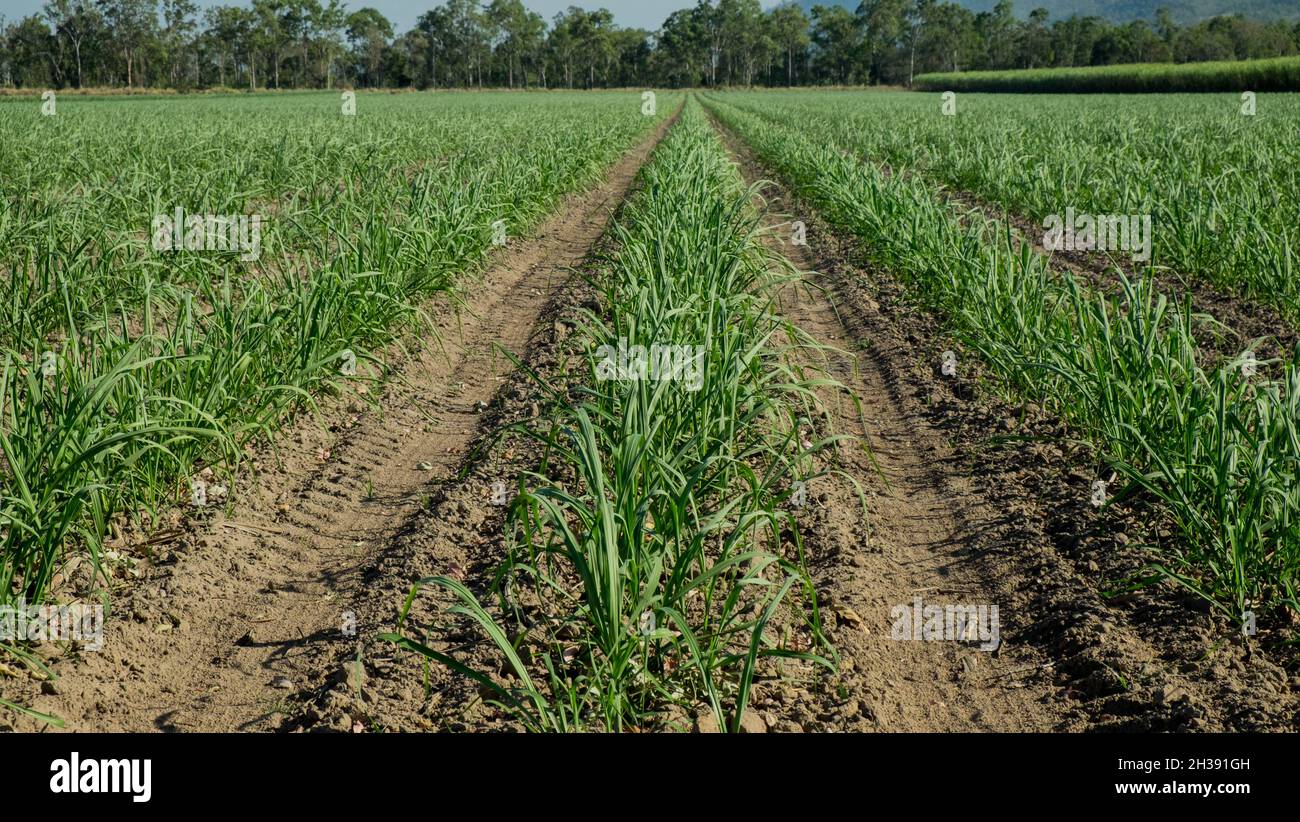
[988, 503]
[256, 605]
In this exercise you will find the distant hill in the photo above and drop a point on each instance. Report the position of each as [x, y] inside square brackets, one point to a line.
[1124, 11]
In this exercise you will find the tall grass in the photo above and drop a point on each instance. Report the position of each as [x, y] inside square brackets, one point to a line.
[1218, 449]
[654, 551]
[1274, 74]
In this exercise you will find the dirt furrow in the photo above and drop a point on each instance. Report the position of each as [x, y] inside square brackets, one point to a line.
[249, 609]
[924, 517]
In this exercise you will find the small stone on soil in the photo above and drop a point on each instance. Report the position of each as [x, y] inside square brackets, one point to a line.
[707, 723]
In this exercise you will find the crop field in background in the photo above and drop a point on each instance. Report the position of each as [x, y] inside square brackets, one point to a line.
[633, 411]
[1275, 74]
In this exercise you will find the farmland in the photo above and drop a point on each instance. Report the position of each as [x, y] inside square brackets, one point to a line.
[592, 411]
[167, 367]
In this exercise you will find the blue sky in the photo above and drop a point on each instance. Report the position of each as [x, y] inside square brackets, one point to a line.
[647, 14]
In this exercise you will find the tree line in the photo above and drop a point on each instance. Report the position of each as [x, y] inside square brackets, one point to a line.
[501, 43]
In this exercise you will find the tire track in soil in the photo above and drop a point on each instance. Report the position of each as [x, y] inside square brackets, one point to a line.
[925, 516]
[254, 608]
[461, 533]
[1150, 660]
